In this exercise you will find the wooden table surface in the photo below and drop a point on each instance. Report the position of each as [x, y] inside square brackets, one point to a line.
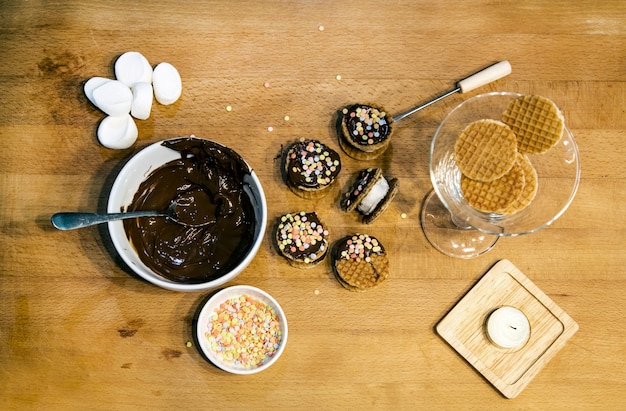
[78, 331]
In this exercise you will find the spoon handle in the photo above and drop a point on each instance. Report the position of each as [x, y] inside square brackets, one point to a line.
[486, 76]
[70, 221]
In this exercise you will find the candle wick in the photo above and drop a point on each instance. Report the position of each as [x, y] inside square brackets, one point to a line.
[513, 327]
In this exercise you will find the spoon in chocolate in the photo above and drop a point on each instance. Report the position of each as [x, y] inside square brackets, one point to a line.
[183, 210]
[483, 77]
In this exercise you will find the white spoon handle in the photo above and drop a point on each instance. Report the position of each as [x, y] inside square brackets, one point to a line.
[486, 76]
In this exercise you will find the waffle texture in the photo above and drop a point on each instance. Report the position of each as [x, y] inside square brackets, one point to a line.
[485, 150]
[536, 121]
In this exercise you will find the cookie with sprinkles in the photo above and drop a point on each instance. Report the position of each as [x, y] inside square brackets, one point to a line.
[370, 194]
[310, 168]
[301, 239]
[360, 262]
[366, 131]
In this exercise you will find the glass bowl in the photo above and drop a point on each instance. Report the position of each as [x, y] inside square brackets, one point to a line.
[447, 214]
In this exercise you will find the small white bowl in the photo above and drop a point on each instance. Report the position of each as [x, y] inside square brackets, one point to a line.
[209, 308]
[126, 184]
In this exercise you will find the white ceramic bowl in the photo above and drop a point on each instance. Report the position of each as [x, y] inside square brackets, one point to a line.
[122, 192]
[213, 304]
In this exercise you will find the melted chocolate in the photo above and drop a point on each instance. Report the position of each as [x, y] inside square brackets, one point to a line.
[367, 125]
[207, 185]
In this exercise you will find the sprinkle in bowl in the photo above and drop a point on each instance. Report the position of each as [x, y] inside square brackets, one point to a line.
[241, 329]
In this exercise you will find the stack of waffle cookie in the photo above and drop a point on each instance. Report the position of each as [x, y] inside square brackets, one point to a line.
[497, 175]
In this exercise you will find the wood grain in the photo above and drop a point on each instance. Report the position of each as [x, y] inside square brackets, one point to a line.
[78, 330]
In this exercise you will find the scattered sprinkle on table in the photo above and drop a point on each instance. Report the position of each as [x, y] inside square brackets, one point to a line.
[244, 331]
[338, 77]
[403, 215]
[270, 129]
[266, 84]
[286, 118]
[229, 108]
[321, 28]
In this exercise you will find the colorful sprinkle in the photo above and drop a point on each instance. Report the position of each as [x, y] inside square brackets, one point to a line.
[286, 118]
[266, 84]
[360, 247]
[229, 108]
[244, 331]
[321, 28]
[338, 77]
[270, 129]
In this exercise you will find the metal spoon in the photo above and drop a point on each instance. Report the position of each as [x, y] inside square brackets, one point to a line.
[485, 76]
[70, 221]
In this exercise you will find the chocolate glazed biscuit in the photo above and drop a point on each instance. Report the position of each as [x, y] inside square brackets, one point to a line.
[301, 239]
[310, 168]
[366, 131]
[360, 262]
[370, 194]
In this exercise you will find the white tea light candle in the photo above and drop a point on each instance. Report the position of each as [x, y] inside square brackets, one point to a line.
[508, 327]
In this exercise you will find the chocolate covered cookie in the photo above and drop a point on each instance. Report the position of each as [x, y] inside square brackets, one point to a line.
[366, 131]
[360, 262]
[301, 239]
[370, 194]
[311, 168]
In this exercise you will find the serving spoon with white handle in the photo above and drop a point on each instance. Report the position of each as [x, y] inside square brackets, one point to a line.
[483, 77]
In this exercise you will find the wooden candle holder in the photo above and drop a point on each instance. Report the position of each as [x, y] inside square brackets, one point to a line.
[509, 370]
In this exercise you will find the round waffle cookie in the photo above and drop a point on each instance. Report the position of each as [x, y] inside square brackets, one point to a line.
[485, 150]
[310, 168]
[536, 121]
[494, 196]
[360, 262]
[370, 194]
[366, 130]
[301, 239]
[530, 186]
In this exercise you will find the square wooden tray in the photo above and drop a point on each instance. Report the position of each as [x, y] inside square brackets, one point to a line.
[509, 370]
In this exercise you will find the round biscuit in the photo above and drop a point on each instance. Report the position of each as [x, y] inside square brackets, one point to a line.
[530, 186]
[536, 121]
[494, 196]
[485, 150]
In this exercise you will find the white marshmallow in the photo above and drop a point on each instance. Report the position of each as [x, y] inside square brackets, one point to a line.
[113, 97]
[117, 132]
[132, 67]
[375, 196]
[92, 84]
[142, 100]
[167, 83]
